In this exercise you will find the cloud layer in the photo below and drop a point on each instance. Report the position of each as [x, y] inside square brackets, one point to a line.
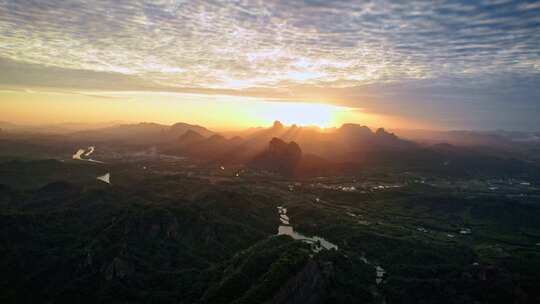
[282, 45]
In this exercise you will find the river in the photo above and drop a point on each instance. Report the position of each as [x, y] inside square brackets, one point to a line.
[318, 243]
[84, 155]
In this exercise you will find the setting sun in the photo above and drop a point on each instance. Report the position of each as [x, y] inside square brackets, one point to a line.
[301, 113]
[217, 111]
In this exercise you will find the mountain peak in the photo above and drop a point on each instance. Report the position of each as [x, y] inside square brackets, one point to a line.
[190, 136]
[182, 125]
[352, 129]
[277, 125]
[280, 156]
[277, 145]
[383, 132]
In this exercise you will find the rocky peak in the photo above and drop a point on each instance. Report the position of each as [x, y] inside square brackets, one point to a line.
[277, 125]
[280, 148]
[381, 133]
[280, 156]
[355, 129]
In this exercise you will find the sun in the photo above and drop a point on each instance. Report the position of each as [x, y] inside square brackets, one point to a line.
[302, 113]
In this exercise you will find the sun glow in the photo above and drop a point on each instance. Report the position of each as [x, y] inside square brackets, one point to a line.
[302, 113]
[213, 111]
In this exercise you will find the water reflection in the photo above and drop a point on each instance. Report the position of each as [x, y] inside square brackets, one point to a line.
[83, 155]
[105, 178]
[318, 243]
[91, 150]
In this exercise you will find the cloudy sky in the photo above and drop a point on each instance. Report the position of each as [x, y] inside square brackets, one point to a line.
[446, 64]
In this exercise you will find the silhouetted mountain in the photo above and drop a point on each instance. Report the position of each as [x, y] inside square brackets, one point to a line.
[358, 137]
[142, 133]
[215, 148]
[54, 128]
[499, 138]
[277, 125]
[279, 147]
[279, 157]
[180, 128]
[347, 143]
[259, 139]
[129, 133]
[345, 150]
[7, 125]
[190, 137]
[351, 130]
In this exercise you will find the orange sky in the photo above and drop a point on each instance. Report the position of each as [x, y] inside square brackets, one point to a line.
[213, 111]
[411, 64]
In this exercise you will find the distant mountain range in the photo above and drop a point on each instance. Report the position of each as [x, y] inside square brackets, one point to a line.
[121, 130]
[339, 144]
[142, 133]
[297, 150]
[310, 151]
[58, 128]
[471, 138]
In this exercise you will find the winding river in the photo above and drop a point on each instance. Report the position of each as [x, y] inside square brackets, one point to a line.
[84, 155]
[318, 243]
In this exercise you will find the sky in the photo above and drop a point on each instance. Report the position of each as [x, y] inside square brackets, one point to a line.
[411, 64]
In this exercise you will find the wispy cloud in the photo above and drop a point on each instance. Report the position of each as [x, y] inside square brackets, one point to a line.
[271, 43]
